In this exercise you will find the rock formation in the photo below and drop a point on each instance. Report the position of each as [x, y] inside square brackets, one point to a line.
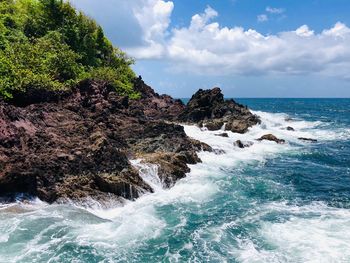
[78, 144]
[307, 139]
[208, 108]
[271, 137]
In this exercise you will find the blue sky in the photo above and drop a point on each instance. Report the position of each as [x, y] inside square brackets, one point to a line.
[249, 48]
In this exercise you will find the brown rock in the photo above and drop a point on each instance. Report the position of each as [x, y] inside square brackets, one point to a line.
[76, 145]
[214, 125]
[270, 137]
[210, 107]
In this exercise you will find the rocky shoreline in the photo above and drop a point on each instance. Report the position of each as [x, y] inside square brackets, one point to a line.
[78, 144]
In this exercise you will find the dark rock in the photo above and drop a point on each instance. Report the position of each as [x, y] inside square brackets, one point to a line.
[208, 108]
[241, 144]
[214, 125]
[290, 128]
[201, 146]
[172, 166]
[155, 106]
[224, 134]
[77, 145]
[307, 139]
[270, 137]
[219, 151]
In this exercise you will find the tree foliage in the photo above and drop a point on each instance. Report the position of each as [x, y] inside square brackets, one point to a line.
[47, 44]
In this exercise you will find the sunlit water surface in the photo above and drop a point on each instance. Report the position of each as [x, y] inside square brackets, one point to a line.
[266, 203]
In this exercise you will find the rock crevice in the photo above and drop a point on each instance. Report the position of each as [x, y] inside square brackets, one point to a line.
[78, 144]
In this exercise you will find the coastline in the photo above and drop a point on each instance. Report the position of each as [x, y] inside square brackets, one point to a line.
[221, 196]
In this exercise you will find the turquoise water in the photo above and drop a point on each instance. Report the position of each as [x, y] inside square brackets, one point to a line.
[266, 203]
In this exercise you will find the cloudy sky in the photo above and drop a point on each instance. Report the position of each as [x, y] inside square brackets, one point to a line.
[249, 48]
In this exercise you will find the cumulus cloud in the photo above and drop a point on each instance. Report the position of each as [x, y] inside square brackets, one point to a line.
[154, 18]
[206, 47]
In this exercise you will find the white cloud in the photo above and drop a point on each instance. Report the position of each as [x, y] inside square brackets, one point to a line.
[206, 47]
[154, 18]
[262, 18]
[273, 10]
[209, 48]
[304, 31]
[221, 50]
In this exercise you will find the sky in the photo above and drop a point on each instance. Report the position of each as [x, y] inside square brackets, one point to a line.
[248, 48]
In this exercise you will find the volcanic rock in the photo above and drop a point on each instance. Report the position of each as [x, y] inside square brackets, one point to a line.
[270, 137]
[307, 139]
[241, 144]
[210, 109]
[224, 134]
[78, 145]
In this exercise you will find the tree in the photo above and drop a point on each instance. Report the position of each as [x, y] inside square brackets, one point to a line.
[47, 44]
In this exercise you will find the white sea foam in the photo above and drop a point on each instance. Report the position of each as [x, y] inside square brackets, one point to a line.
[149, 173]
[310, 233]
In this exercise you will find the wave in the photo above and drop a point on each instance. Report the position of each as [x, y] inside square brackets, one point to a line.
[279, 231]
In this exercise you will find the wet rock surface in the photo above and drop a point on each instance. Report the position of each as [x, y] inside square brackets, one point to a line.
[271, 137]
[224, 134]
[78, 144]
[241, 144]
[307, 139]
[209, 109]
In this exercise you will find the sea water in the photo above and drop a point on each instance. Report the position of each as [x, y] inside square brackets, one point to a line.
[265, 203]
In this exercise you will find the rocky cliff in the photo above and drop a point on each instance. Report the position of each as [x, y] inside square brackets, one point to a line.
[78, 144]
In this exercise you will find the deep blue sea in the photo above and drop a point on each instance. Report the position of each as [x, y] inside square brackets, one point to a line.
[265, 203]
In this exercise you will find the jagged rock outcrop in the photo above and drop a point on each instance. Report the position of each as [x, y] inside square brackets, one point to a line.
[155, 106]
[208, 108]
[77, 144]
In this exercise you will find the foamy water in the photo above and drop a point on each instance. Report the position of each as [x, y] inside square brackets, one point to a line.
[241, 206]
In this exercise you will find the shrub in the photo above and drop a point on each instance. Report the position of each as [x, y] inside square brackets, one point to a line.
[47, 44]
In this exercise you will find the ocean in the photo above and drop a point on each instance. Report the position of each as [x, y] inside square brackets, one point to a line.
[265, 203]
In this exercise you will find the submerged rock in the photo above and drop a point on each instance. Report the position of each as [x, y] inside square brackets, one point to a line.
[224, 134]
[290, 128]
[219, 151]
[270, 137]
[241, 144]
[307, 139]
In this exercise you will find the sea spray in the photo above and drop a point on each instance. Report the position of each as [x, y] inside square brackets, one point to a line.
[264, 203]
[149, 173]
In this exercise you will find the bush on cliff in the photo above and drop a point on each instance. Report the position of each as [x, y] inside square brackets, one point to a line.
[47, 44]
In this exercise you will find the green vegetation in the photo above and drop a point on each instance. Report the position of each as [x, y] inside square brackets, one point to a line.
[47, 44]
